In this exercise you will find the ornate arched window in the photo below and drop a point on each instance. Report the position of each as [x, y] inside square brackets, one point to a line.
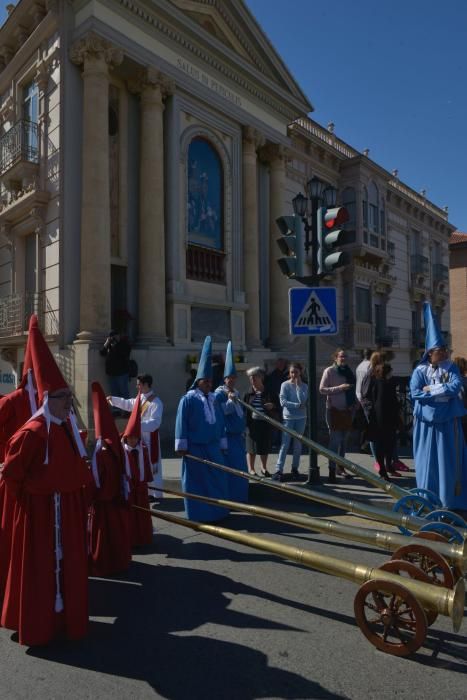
[205, 195]
[349, 202]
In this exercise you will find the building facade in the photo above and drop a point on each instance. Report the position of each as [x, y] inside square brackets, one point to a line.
[147, 149]
[458, 289]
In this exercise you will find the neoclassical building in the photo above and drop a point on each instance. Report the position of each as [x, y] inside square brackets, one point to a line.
[147, 149]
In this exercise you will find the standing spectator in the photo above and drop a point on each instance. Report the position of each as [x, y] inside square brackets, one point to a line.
[273, 382]
[438, 439]
[293, 398]
[461, 362]
[235, 426]
[151, 409]
[384, 416]
[200, 431]
[116, 351]
[362, 371]
[258, 441]
[338, 385]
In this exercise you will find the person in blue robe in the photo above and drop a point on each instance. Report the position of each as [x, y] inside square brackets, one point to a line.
[438, 439]
[200, 431]
[235, 425]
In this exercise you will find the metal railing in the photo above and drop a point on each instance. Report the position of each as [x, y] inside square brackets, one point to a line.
[20, 143]
[387, 337]
[419, 264]
[16, 309]
[440, 272]
[205, 264]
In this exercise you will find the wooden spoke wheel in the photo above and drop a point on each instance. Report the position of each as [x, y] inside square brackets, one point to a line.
[432, 563]
[406, 568]
[390, 617]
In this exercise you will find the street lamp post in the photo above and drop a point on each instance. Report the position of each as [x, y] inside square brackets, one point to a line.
[308, 209]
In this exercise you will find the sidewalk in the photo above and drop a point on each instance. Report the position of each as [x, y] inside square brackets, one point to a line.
[171, 468]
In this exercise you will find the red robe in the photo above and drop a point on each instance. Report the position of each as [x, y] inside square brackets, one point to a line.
[109, 519]
[141, 523]
[15, 410]
[29, 603]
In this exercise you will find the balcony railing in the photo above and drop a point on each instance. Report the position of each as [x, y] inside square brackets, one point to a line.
[387, 337]
[357, 335]
[419, 265]
[392, 252]
[20, 143]
[16, 309]
[205, 265]
[440, 272]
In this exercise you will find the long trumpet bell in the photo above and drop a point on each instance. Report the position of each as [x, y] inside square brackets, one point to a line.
[410, 523]
[455, 554]
[444, 601]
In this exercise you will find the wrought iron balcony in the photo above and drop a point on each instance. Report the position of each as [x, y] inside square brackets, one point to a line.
[205, 264]
[440, 273]
[387, 337]
[392, 252]
[16, 309]
[19, 144]
[419, 265]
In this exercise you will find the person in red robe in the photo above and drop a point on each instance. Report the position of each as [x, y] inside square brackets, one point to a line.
[109, 515]
[139, 466]
[15, 409]
[46, 593]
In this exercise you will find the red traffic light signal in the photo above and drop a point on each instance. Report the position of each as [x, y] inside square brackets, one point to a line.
[336, 217]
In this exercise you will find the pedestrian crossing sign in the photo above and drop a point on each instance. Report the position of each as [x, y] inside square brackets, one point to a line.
[313, 311]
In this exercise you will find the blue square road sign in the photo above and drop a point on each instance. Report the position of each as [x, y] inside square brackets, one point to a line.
[313, 310]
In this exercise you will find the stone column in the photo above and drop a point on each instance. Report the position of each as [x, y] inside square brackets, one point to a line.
[279, 284]
[97, 56]
[251, 141]
[152, 87]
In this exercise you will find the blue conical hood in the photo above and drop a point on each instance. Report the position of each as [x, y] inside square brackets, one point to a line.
[433, 336]
[229, 367]
[205, 363]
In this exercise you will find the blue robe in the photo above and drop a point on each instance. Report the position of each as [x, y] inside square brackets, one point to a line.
[235, 426]
[438, 439]
[202, 439]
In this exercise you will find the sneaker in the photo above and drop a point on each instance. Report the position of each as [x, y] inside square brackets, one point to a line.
[277, 476]
[400, 466]
[376, 467]
[294, 475]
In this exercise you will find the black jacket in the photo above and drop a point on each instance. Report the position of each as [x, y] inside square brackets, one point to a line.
[117, 357]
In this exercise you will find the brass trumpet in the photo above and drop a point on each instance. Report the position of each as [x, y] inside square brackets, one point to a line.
[383, 515]
[436, 562]
[398, 622]
[392, 489]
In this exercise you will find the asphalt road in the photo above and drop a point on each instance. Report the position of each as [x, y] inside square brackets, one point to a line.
[197, 617]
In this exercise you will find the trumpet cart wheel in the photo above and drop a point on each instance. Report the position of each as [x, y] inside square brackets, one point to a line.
[406, 568]
[449, 532]
[431, 536]
[411, 505]
[433, 564]
[446, 516]
[390, 617]
[429, 495]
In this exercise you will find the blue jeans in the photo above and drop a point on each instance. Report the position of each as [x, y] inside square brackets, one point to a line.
[337, 440]
[119, 386]
[297, 424]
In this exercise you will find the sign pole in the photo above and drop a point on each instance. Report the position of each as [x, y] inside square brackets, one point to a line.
[313, 469]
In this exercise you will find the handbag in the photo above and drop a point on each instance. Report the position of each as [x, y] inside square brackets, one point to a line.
[341, 419]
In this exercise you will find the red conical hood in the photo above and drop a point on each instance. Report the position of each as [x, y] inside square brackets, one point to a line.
[133, 427]
[27, 364]
[46, 372]
[104, 423]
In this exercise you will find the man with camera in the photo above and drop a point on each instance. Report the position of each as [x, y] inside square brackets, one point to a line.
[116, 351]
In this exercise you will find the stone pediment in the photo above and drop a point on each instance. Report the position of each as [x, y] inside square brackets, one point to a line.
[231, 23]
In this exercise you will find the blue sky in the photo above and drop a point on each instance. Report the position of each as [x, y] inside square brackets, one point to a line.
[390, 74]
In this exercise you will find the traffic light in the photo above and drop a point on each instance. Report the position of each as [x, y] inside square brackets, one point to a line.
[291, 245]
[330, 237]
